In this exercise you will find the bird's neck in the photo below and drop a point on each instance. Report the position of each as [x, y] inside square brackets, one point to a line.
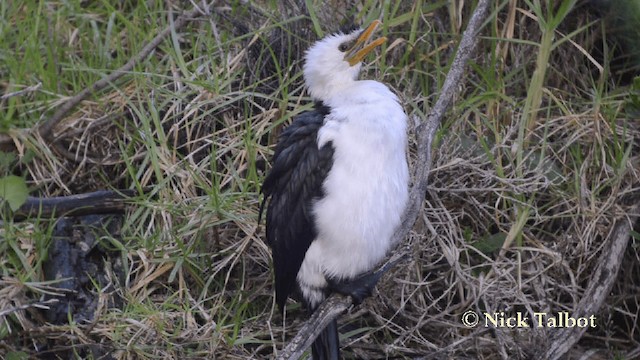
[355, 92]
[327, 89]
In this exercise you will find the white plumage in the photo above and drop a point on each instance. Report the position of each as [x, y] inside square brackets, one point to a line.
[366, 189]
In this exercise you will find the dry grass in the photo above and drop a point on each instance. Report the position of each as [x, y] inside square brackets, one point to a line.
[508, 225]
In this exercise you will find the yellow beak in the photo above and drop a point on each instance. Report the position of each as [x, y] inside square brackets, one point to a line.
[362, 46]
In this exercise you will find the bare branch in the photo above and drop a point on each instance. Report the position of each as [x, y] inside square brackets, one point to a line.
[562, 340]
[426, 131]
[38, 304]
[98, 202]
[46, 128]
[26, 90]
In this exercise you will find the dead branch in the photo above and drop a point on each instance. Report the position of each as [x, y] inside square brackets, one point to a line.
[426, 131]
[37, 304]
[333, 306]
[98, 202]
[45, 129]
[562, 340]
[22, 92]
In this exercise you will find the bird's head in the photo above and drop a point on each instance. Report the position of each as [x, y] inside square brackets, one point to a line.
[334, 62]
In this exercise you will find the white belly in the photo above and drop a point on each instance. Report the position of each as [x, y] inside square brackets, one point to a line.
[366, 193]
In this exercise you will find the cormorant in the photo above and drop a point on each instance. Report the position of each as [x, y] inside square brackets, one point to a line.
[338, 183]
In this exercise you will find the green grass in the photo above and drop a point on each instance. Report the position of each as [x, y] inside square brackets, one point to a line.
[532, 164]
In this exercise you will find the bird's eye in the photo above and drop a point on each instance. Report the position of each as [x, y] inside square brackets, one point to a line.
[343, 47]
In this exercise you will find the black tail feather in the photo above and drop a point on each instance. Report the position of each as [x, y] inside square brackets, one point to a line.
[327, 345]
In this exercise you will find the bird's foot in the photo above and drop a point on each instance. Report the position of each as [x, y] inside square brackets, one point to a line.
[361, 287]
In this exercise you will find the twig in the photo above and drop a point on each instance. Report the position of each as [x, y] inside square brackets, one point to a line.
[98, 202]
[562, 340]
[46, 127]
[26, 90]
[38, 304]
[334, 305]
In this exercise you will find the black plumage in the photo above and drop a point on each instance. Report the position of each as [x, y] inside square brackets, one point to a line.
[298, 171]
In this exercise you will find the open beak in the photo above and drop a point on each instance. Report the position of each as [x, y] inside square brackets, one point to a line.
[363, 46]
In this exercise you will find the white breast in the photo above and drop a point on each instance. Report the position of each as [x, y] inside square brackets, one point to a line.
[366, 190]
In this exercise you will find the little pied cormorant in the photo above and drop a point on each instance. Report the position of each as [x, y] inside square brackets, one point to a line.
[339, 182]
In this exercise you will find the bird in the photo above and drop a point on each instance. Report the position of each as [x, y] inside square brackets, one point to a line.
[338, 182]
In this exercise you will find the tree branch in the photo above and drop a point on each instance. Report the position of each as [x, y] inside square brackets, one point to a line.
[425, 132]
[45, 129]
[98, 202]
[562, 340]
[333, 306]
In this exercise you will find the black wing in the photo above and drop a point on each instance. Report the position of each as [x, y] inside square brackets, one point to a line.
[295, 180]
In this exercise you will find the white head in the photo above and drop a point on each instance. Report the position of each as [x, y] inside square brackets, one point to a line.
[334, 62]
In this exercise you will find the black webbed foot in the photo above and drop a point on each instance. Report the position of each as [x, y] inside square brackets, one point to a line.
[361, 287]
